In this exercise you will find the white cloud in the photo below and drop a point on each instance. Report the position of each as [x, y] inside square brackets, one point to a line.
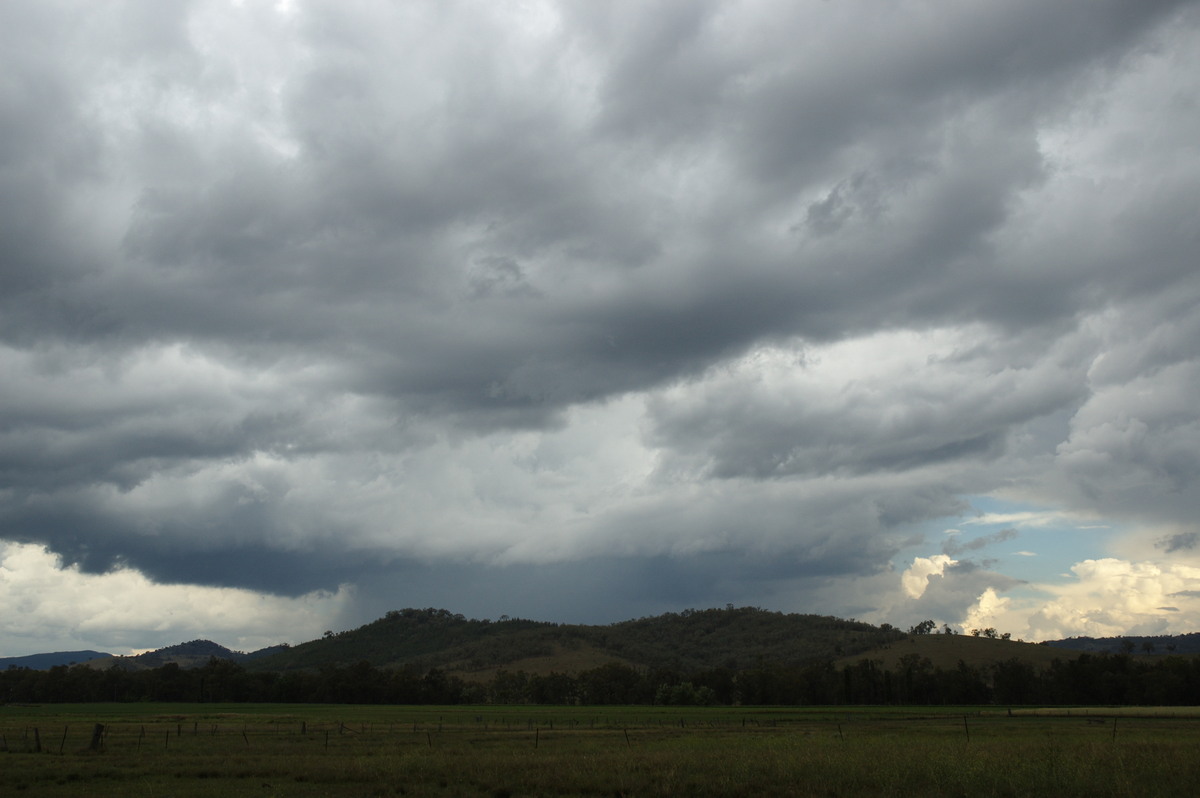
[1114, 597]
[916, 578]
[986, 612]
[47, 605]
[1036, 518]
[1104, 597]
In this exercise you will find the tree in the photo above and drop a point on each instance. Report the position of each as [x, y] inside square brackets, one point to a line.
[684, 695]
[1014, 682]
[923, 628]
[611, 683]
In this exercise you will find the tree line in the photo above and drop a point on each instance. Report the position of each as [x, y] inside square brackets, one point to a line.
[1110, 679]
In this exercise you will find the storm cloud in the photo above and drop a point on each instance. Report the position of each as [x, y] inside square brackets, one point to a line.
[605, 307]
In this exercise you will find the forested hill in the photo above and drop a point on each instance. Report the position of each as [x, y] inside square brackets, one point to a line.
[739, 638]
[734, 638]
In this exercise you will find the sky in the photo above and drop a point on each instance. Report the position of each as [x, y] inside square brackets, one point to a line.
[587, 311]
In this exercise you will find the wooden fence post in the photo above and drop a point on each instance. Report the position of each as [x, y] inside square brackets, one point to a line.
[98, 737]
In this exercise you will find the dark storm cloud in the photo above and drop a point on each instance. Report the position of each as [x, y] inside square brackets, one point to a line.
[604, 589]
[954, 547]
[600, 591]
[392, 167]
[1185, 541]
[947, 408]
[276, 286]
[227, 544]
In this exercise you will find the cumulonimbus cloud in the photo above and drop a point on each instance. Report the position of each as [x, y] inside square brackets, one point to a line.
[362, 289]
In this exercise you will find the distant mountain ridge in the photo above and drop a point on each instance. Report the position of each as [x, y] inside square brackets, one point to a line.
[192, 654]
[41, 662]
[1133, 644]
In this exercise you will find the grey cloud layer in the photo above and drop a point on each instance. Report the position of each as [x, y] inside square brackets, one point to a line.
[278, 286]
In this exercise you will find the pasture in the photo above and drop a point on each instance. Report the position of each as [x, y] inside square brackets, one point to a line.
[324, 750]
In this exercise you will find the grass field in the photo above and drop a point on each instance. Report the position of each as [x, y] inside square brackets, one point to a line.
[307, 750]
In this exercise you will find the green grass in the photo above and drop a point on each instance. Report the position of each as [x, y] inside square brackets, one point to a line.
[305, 750]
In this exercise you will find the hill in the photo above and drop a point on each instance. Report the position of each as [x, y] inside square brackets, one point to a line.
[43, 662]
[692, 640]
[193, 654]
[1133, 644]
[946, 651]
